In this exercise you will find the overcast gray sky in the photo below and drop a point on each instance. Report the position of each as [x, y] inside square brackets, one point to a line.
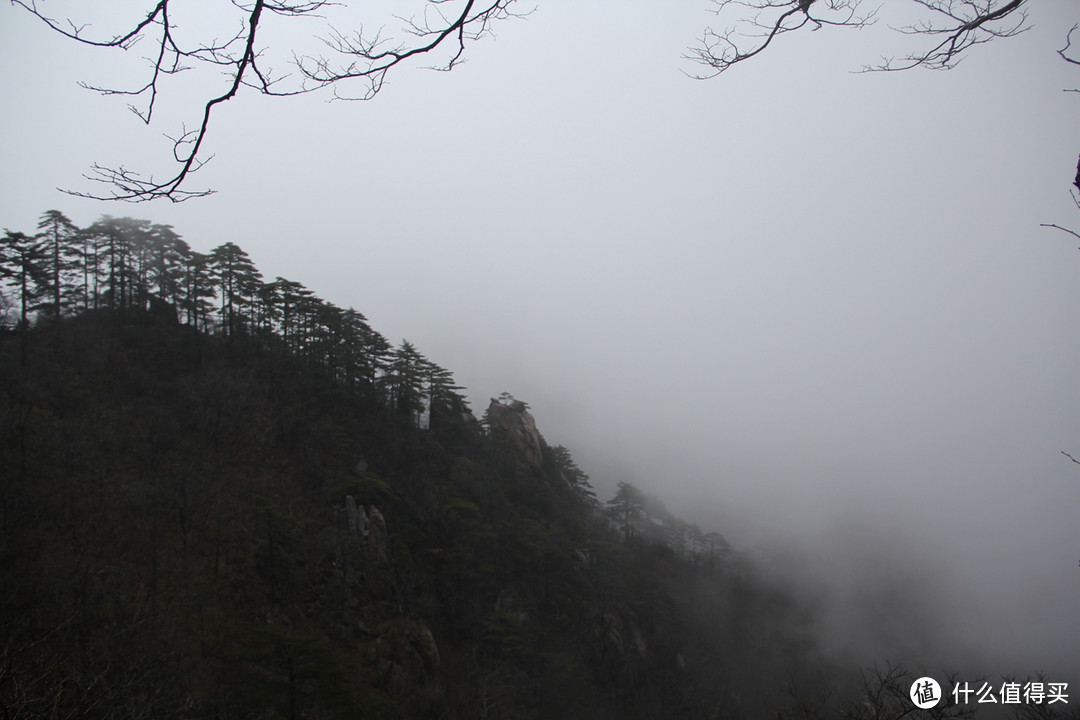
[800, 304]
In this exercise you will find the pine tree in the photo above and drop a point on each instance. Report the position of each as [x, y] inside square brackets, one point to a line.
[267, 310]
[627, 509]
[144, 251]
[374, 352]
[238, 282]
[575, 476]
[444, 400]
[355, 364]
[327, 331]
[116, 241]
[404, 381]
[22, 263]
[168, 263]
[284, 299]
[58, 238]
[717, 547]
[198, 289]
[308, 306]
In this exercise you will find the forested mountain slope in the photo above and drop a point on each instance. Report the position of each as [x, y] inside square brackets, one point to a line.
[227, 498]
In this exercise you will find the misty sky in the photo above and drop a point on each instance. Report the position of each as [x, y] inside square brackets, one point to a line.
[807, 307]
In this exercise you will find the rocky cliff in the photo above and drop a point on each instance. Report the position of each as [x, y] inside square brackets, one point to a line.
[511, 418]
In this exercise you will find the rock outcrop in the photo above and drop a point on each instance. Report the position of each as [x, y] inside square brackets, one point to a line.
[369, 525]
[512, 418]
[377, 540]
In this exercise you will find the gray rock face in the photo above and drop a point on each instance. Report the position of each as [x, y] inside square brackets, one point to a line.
[358, 519]
[376, 535]
[518, 423]
[353, 514]
[623, 633]
[369, 527]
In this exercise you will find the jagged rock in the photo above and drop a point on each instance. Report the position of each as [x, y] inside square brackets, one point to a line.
[624, 635]
[353, 515]
[424, 643]
[377, 520]
[361, 466]
[376, 535]
[517, 422]
[585, 557]
[358, 519]
[363, 523]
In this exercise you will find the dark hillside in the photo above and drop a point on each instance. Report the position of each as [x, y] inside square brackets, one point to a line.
[228, 498]
[193, 527]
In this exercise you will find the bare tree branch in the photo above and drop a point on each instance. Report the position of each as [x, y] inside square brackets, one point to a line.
[1063, 229]
[1064, 52]
[955, 26]
[370, 59]
[367, 59]
[767, 20]
[1074, 193]
[75, 32]
[961, 24]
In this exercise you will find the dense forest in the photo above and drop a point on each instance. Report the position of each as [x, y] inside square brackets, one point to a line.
[225, 497]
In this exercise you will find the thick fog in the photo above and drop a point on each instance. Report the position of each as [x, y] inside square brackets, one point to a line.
[810, 308]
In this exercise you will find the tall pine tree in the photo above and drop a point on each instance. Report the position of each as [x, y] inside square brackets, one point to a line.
[58, 238]
[238, 282]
